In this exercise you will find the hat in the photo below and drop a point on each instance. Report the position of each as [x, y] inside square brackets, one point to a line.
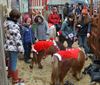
[26, 17]
[66, 4]
[84, 10]
[71, 15]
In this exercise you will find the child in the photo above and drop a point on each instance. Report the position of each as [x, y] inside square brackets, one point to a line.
[28, 38]
[13, 44]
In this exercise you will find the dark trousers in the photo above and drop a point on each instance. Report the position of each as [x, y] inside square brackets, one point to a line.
[83, 43]
[69, 41]
[27, 51]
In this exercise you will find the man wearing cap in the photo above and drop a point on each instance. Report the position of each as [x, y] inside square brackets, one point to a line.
[84, 30]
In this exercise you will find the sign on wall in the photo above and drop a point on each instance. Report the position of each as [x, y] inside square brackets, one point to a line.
[24, 6]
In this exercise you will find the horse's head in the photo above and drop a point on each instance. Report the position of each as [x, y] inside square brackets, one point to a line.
[59, 45]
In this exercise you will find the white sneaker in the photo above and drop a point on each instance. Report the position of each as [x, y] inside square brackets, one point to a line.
[20, 83]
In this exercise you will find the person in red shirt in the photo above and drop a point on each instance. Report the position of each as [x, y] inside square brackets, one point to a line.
[54, 17]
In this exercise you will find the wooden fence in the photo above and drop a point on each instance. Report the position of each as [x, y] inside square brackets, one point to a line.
[3, 75]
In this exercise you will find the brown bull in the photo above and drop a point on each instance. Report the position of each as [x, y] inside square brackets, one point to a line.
[44, 48]
[61, 66]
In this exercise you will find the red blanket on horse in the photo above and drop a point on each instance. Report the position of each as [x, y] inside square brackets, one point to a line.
[42, 45]
[69, 53]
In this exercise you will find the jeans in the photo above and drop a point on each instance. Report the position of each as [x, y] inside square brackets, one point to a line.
[13, 60]
[27, 49]
[83, 43]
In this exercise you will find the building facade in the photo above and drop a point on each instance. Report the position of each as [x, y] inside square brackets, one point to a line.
[38, 5]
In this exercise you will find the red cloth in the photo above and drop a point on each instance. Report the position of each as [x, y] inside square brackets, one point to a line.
[42, 45]
[54, 18]
[70, 53]
[60, 32]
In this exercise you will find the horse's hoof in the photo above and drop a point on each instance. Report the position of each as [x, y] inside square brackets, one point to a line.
[40, 67]
[92, 83]
[30, 66]
[68, 83]
[77, 79]
[86, 58]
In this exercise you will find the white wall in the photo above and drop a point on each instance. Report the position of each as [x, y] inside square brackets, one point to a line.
[4, 2]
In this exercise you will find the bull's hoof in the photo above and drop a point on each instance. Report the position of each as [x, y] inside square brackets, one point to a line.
[40, 66]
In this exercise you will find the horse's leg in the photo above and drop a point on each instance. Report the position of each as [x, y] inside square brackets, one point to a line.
[75, 75]
[61, 82]
[39, 62]
[64, 67]
[76, 70]
[81, 62]
[54, 75]
[78, 65]
[34, 60]
[39, 58]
